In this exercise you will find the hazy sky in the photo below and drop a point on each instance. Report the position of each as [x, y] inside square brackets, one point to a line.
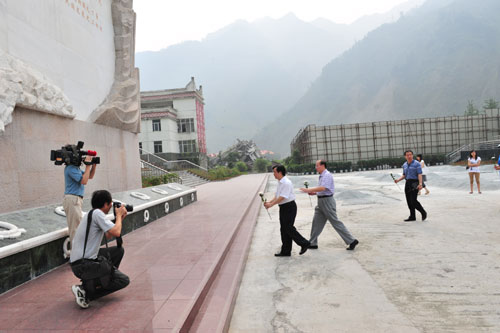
[161, 23]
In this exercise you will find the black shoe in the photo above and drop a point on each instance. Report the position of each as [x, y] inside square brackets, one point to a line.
[304, 248]
[352, 245]
[279, 254]
[424, 216]
[313, 247]
[410, 219]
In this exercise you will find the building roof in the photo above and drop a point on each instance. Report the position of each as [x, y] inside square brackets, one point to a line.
[169, 94]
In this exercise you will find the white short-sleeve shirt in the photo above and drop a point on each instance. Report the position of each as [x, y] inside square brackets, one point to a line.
[474, 161]
[285, 190]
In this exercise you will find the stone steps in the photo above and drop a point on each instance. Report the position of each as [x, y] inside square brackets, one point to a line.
[190, 179]
[214, 313]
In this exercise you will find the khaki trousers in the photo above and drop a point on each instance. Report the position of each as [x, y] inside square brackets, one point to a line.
[72, 205]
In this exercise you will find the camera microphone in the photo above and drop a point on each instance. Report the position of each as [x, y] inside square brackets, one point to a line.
[88, 152]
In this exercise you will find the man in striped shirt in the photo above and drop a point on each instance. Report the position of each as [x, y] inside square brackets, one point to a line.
[326, 209]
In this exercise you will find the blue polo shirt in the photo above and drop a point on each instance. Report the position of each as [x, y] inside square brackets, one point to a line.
[412, 171]
[72, 180]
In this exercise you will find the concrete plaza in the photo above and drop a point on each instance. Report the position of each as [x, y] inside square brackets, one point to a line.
[441, 275]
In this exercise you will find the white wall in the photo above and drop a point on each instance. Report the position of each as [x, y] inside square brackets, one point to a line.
[52, 37]
[168, 135]
[186, 108]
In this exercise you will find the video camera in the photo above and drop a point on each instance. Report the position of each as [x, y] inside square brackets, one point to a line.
[129, 208]
[73, 155]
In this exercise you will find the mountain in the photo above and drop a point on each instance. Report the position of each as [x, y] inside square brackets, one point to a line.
[428, 63]
[252, 72]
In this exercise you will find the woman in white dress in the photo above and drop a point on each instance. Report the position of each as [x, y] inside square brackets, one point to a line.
[424, 174]
[473, 163]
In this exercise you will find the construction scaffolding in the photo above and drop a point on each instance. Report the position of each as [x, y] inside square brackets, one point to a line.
[388, 139]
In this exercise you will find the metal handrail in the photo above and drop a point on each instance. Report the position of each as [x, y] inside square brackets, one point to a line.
[162, 171]
[165, 161]
[454, 156]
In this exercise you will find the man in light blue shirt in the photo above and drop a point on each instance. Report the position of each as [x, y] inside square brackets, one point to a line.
[87, 246]
[74, 182]
[327, 209]
[412, 172]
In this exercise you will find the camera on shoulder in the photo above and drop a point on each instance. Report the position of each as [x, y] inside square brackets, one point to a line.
[73, 155]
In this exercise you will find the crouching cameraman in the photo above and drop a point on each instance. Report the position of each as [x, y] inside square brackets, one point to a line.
[97, 268]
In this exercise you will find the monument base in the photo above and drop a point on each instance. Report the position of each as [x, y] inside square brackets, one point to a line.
[43, 246]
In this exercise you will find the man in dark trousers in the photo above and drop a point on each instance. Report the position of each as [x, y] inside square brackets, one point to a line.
[88, 247]
[412, 172]
[327, 209]
[285, 198]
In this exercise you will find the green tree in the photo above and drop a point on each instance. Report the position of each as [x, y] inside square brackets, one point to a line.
[260, 165]
[490, 104]
[241, 166]
[471, 110]
[231, 159]
[296, 158]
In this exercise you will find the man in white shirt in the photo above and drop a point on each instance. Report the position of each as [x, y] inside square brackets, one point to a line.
[285, 198]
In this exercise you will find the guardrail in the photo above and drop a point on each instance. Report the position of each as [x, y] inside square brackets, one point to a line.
[455, 155]
[168, 165]
[151, 170]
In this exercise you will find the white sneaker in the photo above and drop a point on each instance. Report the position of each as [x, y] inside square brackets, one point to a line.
[79, 293]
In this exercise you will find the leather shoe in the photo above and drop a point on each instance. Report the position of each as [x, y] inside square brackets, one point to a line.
[304, 248]
[410, 219]
[352, 245]
[424, 216]
[279, 254]
[313, 247]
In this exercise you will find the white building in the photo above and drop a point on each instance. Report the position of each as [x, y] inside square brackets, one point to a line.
[173, 123]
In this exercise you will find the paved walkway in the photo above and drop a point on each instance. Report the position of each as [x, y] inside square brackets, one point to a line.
[441, 275]
[167, 261]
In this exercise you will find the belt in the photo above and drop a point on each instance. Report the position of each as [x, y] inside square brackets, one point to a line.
[325, 196]
[76, 195]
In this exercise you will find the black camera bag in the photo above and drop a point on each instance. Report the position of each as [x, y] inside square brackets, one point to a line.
[96, 273]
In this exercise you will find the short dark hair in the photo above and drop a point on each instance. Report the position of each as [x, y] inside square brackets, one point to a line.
[322, 162]
[280, 168]
[408, 150]
[99, 198]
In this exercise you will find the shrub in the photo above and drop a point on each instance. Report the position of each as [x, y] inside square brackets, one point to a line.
[260, 165]
[241, 166]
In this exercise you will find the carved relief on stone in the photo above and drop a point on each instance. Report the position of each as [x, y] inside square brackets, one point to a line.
[121, 108]
[22, 85]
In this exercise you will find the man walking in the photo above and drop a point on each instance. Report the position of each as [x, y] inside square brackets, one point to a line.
[412, 172]
[285, 198]
[326, 209]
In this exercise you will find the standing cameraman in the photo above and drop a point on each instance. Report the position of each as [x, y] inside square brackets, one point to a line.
[86, 254]
[74, 181]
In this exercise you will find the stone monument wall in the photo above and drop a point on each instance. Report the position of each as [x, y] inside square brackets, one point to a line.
[67, 74]
[29, 179]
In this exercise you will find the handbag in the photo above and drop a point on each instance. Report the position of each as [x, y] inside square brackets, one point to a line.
[96, 273]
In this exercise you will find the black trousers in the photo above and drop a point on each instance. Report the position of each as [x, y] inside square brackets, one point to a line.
[118, 279]
[288, 212]
[411, 193]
